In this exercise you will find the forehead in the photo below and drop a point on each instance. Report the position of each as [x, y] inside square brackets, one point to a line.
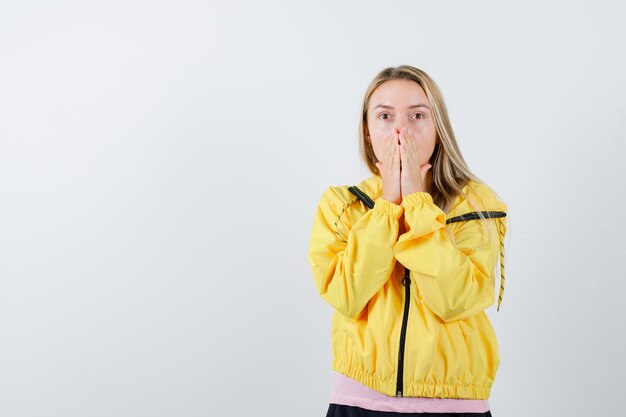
[398, 93]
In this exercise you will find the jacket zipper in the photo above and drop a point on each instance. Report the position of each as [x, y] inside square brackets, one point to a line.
[406, 281]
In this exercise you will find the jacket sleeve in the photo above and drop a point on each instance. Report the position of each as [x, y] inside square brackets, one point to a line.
[455, 282]
[351, 262]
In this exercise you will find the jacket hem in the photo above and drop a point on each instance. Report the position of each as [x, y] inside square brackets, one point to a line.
[412, 388]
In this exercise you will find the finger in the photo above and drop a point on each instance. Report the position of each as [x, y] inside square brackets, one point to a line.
[391, 148]
[411, 150]
[386, 153]
[398, 157]
[397, 166]
[405, 156]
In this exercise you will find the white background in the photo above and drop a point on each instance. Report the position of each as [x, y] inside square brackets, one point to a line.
[161, 161]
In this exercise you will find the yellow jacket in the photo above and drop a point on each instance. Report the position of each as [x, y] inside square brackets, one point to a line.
[415, 327]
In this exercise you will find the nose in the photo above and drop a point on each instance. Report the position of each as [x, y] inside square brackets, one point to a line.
[402, 122]
[399, 126]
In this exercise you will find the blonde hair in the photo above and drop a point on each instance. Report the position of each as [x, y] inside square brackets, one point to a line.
[449, 170]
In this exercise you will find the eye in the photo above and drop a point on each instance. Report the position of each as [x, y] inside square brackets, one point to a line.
[383, 114]
[419, 114]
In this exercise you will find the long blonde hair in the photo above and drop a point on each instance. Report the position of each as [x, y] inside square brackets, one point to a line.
[449, 171]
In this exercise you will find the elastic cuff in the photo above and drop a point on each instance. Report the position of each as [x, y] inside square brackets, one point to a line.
[417, 198]
[388, 208]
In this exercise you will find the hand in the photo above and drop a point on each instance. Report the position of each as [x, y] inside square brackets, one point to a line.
[413, 176]
[390, 170]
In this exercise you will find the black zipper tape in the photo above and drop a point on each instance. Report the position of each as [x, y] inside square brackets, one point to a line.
[406, 282]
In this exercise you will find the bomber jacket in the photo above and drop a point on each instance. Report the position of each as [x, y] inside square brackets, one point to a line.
[409, 305]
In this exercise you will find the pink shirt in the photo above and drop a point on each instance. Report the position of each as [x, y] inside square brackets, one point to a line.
[347, 391]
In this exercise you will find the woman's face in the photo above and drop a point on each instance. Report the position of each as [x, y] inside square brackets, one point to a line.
[396, 104]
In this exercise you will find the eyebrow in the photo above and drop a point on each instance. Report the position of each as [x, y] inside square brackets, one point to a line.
[410, 107]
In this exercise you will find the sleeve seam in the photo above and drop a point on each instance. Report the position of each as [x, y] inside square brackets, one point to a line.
[336, 223]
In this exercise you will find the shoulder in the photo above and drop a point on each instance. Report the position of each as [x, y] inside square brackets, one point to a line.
[485, 196]
[341, 195]
[478, 196]
[335, 202]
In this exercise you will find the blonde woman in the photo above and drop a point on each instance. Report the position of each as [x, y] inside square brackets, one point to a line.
[407, 259]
